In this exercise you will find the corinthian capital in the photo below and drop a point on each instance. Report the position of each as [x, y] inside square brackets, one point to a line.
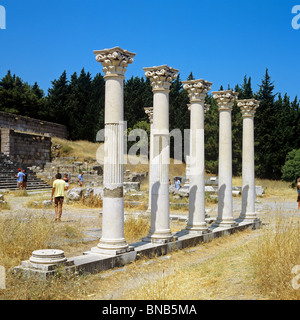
[161, 77]
[248, 107]
[197, 89]
[114, 61]
[225, 99]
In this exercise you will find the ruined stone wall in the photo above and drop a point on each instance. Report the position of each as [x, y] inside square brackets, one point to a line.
[25, 148]
[20, 123]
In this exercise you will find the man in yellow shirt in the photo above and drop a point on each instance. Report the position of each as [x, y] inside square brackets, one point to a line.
[58, 191]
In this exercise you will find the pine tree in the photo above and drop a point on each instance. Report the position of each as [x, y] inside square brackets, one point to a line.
[57, 101]
[19, 97]
[211, 124]
[266, 121]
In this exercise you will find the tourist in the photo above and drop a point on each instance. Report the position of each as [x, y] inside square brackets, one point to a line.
[58, 191]
[177, 184]
[19, 177]
[66, 180]
[80, 179]
[298, 191]
[24, 184]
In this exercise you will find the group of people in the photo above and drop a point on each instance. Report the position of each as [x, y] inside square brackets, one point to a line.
[22, 179]
[58, 191]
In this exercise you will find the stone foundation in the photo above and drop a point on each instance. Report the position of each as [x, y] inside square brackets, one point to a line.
[26, 149]
[91, 262]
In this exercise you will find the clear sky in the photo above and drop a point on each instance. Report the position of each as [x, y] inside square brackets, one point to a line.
[219, 41]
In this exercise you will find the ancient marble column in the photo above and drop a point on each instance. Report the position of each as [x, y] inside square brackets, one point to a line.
[114, 62]
[248, 108]
[197, 90]
[225, 101]
[161, 78]
[149, 112]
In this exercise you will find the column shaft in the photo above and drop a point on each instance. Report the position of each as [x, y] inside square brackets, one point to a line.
[225, 214]
[196, 221]
[225, 100]
[248, 107]
[114, 62]
[161, 78]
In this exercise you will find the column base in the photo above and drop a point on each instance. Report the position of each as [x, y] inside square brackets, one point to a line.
[224, 224]
[111, 252]
[111, 247]
[248, 218]
[160, 237]
[196, 229]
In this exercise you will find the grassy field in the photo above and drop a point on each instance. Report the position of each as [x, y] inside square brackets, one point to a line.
[260, 264]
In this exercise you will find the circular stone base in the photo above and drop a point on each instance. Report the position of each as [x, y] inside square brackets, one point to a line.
[48, 256]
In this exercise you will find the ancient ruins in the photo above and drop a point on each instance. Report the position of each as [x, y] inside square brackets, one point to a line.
[112, 249]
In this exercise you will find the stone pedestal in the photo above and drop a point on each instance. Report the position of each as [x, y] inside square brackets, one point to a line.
[46, 261]
[248, 108]
[197, 90]
[114, 62]
[225, 101]
[149, 112]
[161, 78]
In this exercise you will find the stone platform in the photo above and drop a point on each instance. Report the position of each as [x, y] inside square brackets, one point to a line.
[91, 262]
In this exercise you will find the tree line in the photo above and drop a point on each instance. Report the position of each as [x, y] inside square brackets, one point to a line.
[78, 103]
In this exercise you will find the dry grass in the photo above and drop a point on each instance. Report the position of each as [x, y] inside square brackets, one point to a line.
[272, 188]
[5, 206]
[80, 148]
[216, 270]
[135, 228]
[234, 267]
[276, 252]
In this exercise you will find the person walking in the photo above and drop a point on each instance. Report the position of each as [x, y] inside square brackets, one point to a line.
[24, 184]
[58, 191]
[19, 177]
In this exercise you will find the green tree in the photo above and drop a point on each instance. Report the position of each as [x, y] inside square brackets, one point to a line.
[291, 168]
[19, 97]
[266, 120]
[137, 96]
[57, 100]
[211, 124]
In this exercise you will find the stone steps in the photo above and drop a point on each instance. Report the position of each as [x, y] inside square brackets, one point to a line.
[8, 170]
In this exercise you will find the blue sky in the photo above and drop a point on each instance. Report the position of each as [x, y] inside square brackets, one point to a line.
[219, 41]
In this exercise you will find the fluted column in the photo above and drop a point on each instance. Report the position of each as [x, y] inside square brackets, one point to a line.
[114, 62]
[225, 101]
[197, 90]
[161, 78]
[248, 108]
[149, 112]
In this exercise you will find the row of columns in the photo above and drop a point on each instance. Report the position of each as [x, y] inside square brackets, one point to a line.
[115, 62]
